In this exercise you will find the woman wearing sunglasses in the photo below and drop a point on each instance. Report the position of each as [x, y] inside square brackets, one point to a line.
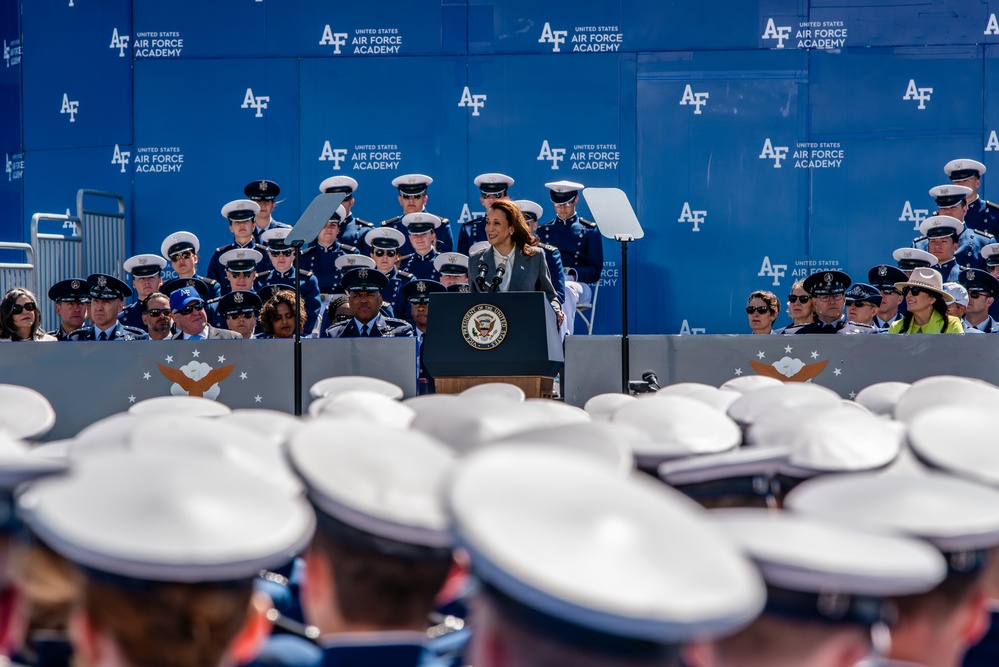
[762, 309]
[926, 302]
[799, 308]
[20, 317]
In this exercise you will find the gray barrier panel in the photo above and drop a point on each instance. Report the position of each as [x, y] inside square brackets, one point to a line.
[88, 381]
[18, 274]
[57, 257]
[103, 232]
[845, 364]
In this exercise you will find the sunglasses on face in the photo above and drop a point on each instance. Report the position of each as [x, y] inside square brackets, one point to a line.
[978, 295]
[242, 274]
[757, 309]
[186, 254]
[240, 316]
[158, 312]
[18, 308]
[914, 291]
[191, 308]
[419, 196]
[281, 253]
[858, 304]
[889, 291]
[383, 253]
[795, 298]
[492, 195]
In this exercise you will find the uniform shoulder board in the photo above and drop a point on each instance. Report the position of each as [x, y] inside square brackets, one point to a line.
[444, 220]
[981, 233]
[406, 258]
[991, 205]
[214, 300]
[363, 223]
[588, 223]
[918, 239]
[133, 330]
[406, 274]
[306, 251]
[474, 221]
[306, 274]
[264, 275]
[208, 281]
[223, 248]
[547, 246]
[348, 248]
[391, 221]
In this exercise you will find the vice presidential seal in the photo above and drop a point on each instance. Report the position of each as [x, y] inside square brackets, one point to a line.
[484, 326]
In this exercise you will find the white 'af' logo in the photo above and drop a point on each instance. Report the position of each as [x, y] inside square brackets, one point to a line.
[334, 155]
[687, 330]
[468, 214]
[697, 100]
[470, 100]
[259, 102]
[119, 42]
[993, 143]
[696, 217]
[336, 39]
[774, 32]
[913, 215]
[555, 155]
[993, 27]
[921, 94]
[120, 157]
[72, 107]
[554, 37]
[775, 271]
[775, 153]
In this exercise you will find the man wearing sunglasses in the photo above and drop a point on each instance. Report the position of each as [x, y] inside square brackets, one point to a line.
[413, 199]
[107, 297]
[981, 215]
[282, 257]
[146, 279]
[828, 292]
[950, 200]
[386, 245]
[192, 322]
[883, 278]
[240, 310]
[491, 186]
[364, 289]
[862, 303]
[942, 234]
[352, 229]
[241, 214]
[264, 193]
[72, 300]
[982, 290]
[181, 249]
[157, 317]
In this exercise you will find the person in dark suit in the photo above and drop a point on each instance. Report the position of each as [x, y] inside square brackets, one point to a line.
[364, 288]
[190, 318]
[513, 262]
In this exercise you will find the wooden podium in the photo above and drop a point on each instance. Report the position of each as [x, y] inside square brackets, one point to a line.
[475, 338]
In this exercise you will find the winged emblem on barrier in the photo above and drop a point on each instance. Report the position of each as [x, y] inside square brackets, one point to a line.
[196, 387]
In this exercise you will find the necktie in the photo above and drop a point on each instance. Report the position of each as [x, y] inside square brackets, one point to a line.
[195, 337]
[364, 331]
[103, 336]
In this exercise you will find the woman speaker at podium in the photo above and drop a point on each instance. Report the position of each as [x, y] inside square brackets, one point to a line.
[512, 262]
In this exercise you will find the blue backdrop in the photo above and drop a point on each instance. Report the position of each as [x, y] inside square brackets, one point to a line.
[759, 141]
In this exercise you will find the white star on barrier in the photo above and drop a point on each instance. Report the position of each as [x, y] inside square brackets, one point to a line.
[760, 355]
[222, 359]
[242, 376]
[169, 359]
[815, 355]
[837, 371]
[788, 349]
[258, 398]
[146, 376]
[738, 371]
[195, 354]
[853, 395]
[131, 399]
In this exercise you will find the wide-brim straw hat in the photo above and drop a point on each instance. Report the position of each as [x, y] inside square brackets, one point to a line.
[928, 279]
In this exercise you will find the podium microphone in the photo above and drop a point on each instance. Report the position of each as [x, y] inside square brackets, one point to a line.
[498, 278]
[480, 280]
[649, 376]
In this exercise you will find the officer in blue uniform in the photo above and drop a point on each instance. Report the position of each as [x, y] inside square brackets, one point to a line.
[181, 249]
[491, 186]
[352, 228]
[828, 292]
[71, 299]
[580, 244]
[240, 311]
[282, 257]
[883, 278]
[982, 291]
[343, 264]
[417, 293]
[365, 288]
[321, 255]
[942, 234]
[386, 244]
[951, 202]
[862, 303]
[413, 199]
[107, 297]
[265, 194]
[553, 256]
[453, 268]
[241, 214]
[146, 279]
[982, 215]
[422, 234]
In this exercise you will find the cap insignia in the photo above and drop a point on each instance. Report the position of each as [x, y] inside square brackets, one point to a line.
[237, 297]
[828, 278]
[362, 273]
[452, 259]
[882, 271]
[102, 281]
[970, 275]
[421, 286]
[75, 284]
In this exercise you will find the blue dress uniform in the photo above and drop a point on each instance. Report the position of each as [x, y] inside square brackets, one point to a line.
[421, 267]
[380, 327]
[980, 214]
[310, 291]
[969, 242]
[983, 216]
[825, 282]
[118, 332]
[975, 281]
[263, 191]
[216, 271]
[471, 233]
[580, 243]
[107, 288]
[392, 294]
[418, 292]
[445, 241]
[321, 261]
[352, 231]
[140, 266]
